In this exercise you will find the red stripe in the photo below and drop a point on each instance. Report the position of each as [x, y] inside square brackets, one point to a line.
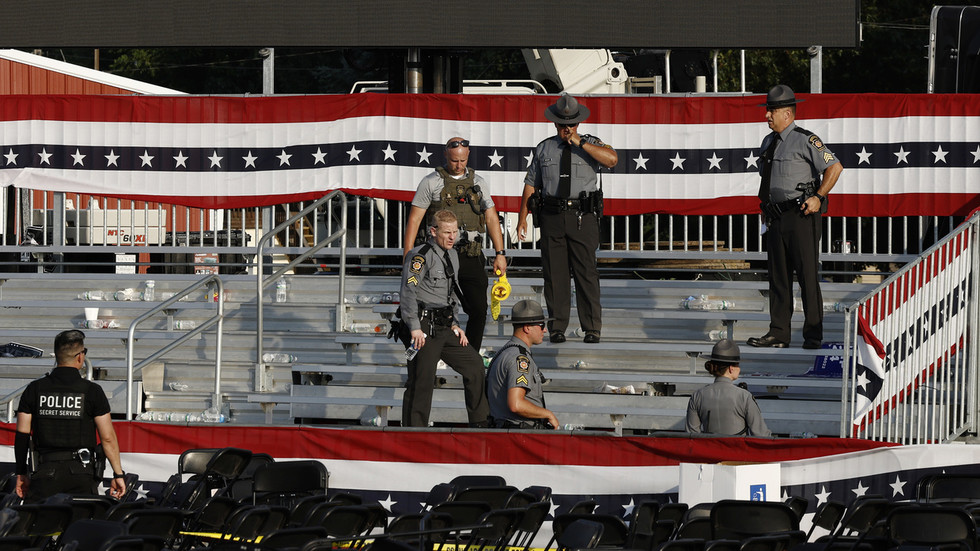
[604, 110]
[468, 447]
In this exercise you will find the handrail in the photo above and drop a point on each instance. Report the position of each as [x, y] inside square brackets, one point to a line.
[216, 319]
[261, 283]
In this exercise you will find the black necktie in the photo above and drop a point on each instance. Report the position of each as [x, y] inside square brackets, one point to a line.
[767, 169]
[565, 174]
[451, 274]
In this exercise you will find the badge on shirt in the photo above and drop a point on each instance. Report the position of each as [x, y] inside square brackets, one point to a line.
[523, 364]
[827, 157]
[522, 380]
[815, 142]
[418, 261]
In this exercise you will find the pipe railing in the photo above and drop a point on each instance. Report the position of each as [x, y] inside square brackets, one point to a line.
[218, 319]
[263, 282]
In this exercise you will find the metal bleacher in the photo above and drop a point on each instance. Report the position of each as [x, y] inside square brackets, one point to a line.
[636, 381]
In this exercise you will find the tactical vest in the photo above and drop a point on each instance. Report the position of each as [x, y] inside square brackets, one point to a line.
[462, 197]
[60, 420]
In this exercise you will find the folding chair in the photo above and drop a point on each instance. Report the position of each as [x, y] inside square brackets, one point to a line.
[945, 527]
[579, 534]
[495, 496]
[286, 482]
[741, 519]
[827, 516]
[89, 534]
[465, 481]
[162, 522]
[949, 488]
[286, 539]
[501, 525]
[798, 505]
[614, 529]
[641, 522]
[222, 469]
[530, 524]
[440, 493]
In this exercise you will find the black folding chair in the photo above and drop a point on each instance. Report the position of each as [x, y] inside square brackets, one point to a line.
[579, 534]
[286, 482]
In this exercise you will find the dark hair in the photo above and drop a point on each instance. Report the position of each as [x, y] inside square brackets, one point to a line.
[67, 344]
[717, 369]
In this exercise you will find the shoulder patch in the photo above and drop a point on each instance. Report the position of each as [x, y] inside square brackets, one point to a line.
[523, 363]
[418, 262]
[815, 142]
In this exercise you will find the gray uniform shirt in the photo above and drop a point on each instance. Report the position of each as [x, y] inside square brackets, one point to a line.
[425, 280]
[800, 157]
[723, 408]
[545, 168]
[512, 368]
[430, 189]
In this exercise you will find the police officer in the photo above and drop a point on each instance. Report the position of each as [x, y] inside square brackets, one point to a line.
[564, 175]
[513, 381]
[461, 190]
[722, 407]
[798, 172]
[428, 307]
[62, 412]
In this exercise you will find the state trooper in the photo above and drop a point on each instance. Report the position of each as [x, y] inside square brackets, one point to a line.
[62, 412]
[428, 308]
[722, 407]
[797, 173]
[459, 189]
[561, 189]
[513, 380]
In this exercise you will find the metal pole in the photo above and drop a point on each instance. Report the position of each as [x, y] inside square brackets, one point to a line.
[268, 70]
[742, 62]
[816, 69]
[413, 72]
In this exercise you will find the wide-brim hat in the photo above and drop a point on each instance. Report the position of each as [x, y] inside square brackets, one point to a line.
[780, 96]
[724, 351]
[567, 110]
[526, 312]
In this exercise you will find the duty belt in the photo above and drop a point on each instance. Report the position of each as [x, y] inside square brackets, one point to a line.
[530, 424]
[84, 455]
[558, 204]
[775, 210]
[439, 316]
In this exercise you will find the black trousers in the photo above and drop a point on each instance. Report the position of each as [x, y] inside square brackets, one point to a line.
[442, 344]
[61, 477]
[473, 281]
[793, 246]
[569, 250]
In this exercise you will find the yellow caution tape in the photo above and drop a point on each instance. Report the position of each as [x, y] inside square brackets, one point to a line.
[499, 292]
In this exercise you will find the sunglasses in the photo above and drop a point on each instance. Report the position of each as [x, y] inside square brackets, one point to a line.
[567, 125]
[541, 325]
[84, 351]
[456, 143]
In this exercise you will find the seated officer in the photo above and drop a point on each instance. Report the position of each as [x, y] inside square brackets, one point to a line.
[62, 412]
[513, 381]
[722, 407]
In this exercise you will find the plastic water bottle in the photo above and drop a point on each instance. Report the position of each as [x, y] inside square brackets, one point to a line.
[382, 328]
[93, 324]
[577, 332]
[833, 307]
[185, 325]
[385, 298]
[212, 415]
[360, 328]
[702, 302]
[278, 358]
[412, 351]
[717, 334]
[573, 426]
[281, 290]
[95, 294]
[126, 294]
[178, 386]
[149, 292]
[193, 418]
[396, 298]
[372, 422]
[368, 299]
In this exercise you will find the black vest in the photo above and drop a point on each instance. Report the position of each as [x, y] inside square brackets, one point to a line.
[61, 419]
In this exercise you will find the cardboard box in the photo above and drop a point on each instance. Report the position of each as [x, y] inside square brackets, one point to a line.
[708, 483]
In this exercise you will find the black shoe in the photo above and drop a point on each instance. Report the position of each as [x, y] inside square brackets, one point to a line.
[557, 336]
[766, 341]
[811, 344]
[591, 337]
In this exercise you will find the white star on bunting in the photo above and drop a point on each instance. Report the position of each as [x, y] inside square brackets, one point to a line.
[147, 159]
[641, 162]
[714, 161]
[495, 159]
[864, 156]
[78, 158]
[389, 153]
[249, 159]
[424, 156]
[354, 152]
[901, 156]
[940, 155]
[284, 158]
[45, 156]
[11, 157]
[319, 157]
[215, 159]
[180, 160]
[678, 161]
[751, 160]
[112, 159]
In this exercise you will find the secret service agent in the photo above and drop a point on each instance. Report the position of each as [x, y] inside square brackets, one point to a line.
[513, 380]
[459, 189]
[722, 407]
[62, 412]
[562, 179]
[428, 308]
[797, 173]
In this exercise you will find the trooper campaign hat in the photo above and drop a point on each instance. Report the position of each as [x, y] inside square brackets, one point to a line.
[724, 351]
[780, 96]
[567, 110]
[527, 312]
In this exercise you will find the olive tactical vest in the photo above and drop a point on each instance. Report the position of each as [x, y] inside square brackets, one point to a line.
[458, 196]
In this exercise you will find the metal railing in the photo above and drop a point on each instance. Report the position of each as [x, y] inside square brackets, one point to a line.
[919, 382]
[217, 319]
[262, 282]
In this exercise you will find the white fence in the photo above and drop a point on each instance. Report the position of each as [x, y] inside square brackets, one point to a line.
[54, 225]
[914, 361]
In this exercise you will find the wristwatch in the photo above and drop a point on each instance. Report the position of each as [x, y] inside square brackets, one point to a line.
[500, 253]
